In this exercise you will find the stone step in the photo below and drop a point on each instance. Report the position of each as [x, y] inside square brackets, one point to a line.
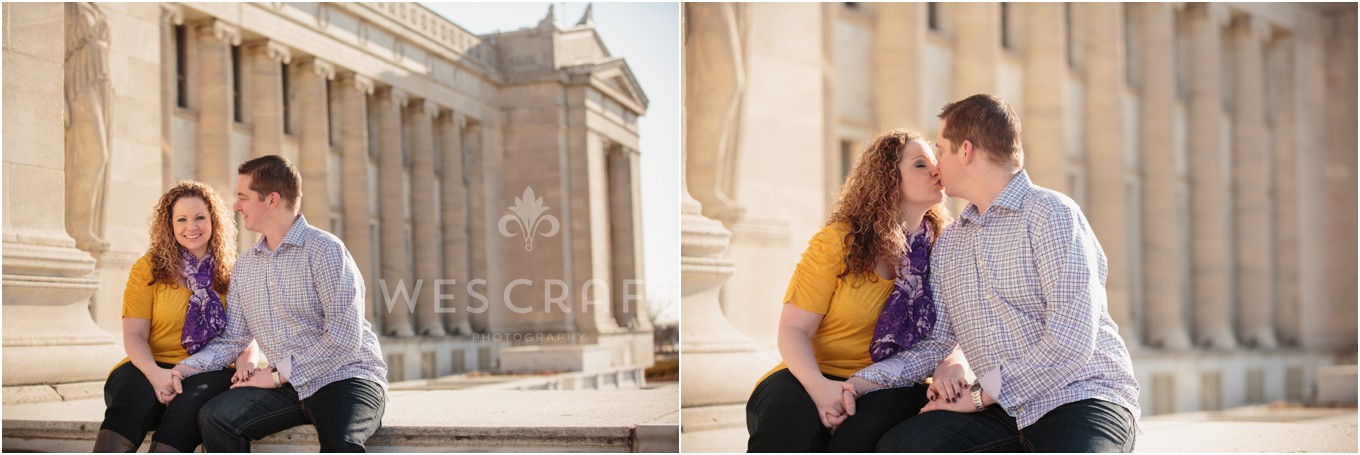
[645, 420]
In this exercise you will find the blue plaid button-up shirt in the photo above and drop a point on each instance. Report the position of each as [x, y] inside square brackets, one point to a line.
[303, 302]
[1021, 289]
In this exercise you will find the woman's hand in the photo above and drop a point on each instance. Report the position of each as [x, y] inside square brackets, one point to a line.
[950, 379]
[166, 383]
[259, 378]
[244, 371]
[828, 396]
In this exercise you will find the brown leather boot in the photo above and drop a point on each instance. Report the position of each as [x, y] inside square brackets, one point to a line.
[158, 447]
[109, 441]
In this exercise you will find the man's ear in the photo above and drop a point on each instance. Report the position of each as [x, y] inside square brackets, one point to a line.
[967, 152]
[274, 199]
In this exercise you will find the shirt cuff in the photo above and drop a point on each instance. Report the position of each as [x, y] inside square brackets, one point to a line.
[991, 382]
[285, 368]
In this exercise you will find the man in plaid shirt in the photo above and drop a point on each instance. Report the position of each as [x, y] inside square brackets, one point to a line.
[300, 295]
[1019, 285]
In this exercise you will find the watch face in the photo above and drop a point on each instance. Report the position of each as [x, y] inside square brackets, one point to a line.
[977, 386]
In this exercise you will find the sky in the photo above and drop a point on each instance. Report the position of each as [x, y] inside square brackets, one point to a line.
[647, 36]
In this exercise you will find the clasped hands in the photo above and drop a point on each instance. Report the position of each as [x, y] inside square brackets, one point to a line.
[168, 383]
[835, 400]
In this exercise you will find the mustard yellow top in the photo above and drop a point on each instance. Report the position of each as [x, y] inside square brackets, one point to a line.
[165, 305]
[849, 306]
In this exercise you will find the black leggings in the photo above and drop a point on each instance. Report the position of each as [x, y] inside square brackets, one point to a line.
[781, 417]
[133, 410]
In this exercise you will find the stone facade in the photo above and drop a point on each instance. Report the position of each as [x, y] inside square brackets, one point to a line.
[421, 145]
[1211, 146]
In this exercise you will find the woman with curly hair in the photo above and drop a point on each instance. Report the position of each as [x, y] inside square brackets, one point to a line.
[174, 303]
[858, 296]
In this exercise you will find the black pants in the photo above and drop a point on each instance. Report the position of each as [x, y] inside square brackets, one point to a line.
[132, 409]
[781, 417]
[346, 413]
[1083, 426]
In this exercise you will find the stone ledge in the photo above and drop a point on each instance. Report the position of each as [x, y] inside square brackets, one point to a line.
[428, 421]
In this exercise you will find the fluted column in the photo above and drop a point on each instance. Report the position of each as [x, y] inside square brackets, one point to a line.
[266, 59]
[480, 218]
[314, 139]
[1210, 202]
[454, 201]
[1282, 93]
[1045, 95]
[354, 198]
[424, 216]
[396, 273]
[1164, 325]
[898, 73]
[977, 48]
[214, 163]
[1252, 187]
[1108, 163]
[171, 16]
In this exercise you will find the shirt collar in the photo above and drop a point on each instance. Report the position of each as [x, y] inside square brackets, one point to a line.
[1010, 198]
[293, 237]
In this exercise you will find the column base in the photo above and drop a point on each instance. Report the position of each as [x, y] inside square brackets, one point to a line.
[1168, 339]
[1263, 338]
[1219, 339]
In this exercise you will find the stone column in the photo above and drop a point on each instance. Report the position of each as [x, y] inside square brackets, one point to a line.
[1252, 190]
[354, 198]
[899, 45]
[1315, 245]
[392, 212]
[1108, 163]
[1340, 174]
[314, 139]
[1210, 197]
[171, 16]
[625, 228]
[1165, 323]
[454, 201]
[49, 337]
[215, 165]
[976, 29]
[425, 233]
[480, 220]
[1045, 94]
[266, 59]
[1286, 224]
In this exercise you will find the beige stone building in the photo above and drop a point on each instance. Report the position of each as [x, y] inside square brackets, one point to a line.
[507, 163]
[1211, 146]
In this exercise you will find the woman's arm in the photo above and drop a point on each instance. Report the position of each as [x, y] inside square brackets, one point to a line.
[796, 329]
[136, 333]
[950, 379]
[246, 362]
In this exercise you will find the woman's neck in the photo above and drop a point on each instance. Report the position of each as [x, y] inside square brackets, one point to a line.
[911, 218]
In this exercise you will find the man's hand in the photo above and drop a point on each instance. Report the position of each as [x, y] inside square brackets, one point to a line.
[260, 378]
[826, 395]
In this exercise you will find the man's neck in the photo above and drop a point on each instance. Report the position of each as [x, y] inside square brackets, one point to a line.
[274, 232]
[990, 186]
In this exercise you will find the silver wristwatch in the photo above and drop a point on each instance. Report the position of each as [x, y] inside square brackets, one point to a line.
[976, 392]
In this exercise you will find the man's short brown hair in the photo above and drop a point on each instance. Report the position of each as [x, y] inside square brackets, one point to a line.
[274, 174]
[989, 123]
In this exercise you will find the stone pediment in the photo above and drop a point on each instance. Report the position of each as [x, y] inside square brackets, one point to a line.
[614, 77]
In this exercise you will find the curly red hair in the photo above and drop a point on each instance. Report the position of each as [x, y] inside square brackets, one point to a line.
[870, 203]
[164, 250]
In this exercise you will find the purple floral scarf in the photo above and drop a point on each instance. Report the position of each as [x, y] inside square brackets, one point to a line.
[206, 318]
[909, 313]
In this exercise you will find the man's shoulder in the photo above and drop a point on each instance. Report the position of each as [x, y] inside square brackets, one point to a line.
[318, 240]
[1043, 202]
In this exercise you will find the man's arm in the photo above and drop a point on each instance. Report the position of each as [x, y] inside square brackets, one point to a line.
[340, 290]
[912, 365]
[219, 352]
[1070, 278]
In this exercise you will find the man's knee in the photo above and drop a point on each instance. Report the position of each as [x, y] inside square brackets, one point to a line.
[213, 414]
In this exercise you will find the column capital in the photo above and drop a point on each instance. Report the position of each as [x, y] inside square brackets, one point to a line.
[275, 51]
[398, 96]
[460, 120]
[321, 68]
[1254, 26]
[223, 31]
[1217, 13]
[427, 107]
[172, 13]
[360, 82]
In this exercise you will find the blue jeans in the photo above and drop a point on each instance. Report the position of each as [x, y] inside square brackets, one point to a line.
[1083, 426]
[346, 413]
